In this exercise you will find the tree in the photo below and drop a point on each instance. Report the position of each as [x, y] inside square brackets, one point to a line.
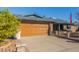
[77, 17]
[9, 24]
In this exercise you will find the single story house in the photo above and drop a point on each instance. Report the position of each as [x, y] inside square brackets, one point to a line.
[36, 25]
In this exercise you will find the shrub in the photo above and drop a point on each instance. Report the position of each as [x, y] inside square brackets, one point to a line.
[9, 24]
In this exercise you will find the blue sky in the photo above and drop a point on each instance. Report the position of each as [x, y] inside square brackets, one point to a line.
[57, 12]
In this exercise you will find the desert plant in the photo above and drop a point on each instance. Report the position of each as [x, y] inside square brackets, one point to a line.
[9, 24]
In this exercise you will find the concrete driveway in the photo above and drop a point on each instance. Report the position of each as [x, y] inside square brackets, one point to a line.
[48, 44]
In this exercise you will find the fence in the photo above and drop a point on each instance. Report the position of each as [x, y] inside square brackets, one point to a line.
[69, 35]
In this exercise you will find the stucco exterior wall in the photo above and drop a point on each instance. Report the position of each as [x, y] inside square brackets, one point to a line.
[74, 28]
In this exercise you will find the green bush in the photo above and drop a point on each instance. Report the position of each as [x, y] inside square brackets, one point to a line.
[9, 24]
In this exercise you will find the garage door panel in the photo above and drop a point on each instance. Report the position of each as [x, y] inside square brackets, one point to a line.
[34, 29]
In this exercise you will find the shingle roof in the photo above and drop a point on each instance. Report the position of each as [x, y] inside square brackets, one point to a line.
[35, 17]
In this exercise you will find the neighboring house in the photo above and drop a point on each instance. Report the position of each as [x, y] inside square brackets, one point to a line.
[36, 25]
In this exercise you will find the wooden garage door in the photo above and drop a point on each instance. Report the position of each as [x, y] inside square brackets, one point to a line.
[31, 29]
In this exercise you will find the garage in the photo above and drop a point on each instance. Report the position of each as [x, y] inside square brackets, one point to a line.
[31, 28]
[34, 25]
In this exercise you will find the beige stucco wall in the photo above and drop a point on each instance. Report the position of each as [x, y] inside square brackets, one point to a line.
[65, 27]
[50, 28]
[74, 28]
